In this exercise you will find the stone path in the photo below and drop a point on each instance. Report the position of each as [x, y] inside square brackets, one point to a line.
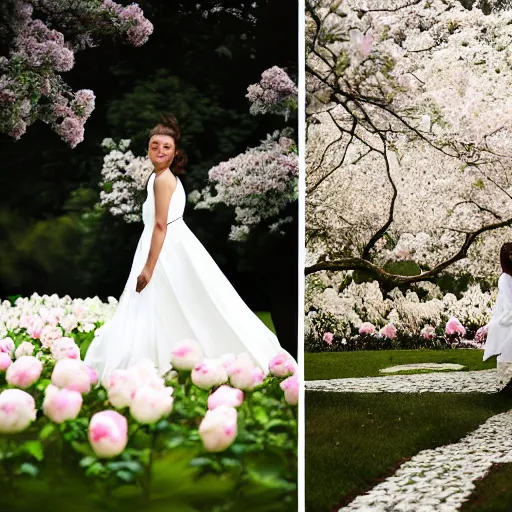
[483, 381]
[440, 367]
[441, 480]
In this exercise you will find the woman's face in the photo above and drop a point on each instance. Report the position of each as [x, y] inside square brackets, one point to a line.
[161, 150]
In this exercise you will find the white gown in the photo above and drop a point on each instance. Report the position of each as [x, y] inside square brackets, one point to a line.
[188, 297]
[499, 335]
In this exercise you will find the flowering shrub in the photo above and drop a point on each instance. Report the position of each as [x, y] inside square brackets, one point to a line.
[224, 419]
[42, 39]
[262, 181]
[362, 317]
[124, 180]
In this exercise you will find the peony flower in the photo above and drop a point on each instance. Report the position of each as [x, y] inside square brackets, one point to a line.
[481, 334]
[225, 395]
[241, 373]
[218, 429]
[428, 332]
[24, 372]
[328, 337]
[290, 386]
[5, 361]
[7, 346]
[17, 410]
[108, 433]
[389, 331]
[35, 328]
[25, 349]
[71, 374]
[65, 348]
[93, 374]
[367, 328]
[186, 354]
[149, 404]
[61, 404]
[453, 326]
[209, 373]
[121, 386]
[49, 334]
[282, 365]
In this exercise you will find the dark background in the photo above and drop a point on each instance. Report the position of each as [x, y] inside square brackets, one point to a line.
[52, 240]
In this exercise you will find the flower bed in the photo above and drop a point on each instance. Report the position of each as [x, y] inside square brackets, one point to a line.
[361, 317]
[205, 435]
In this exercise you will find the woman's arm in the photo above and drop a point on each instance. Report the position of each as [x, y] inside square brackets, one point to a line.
[164, 187]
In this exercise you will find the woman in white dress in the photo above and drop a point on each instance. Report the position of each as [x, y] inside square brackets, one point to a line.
[499, 334]
[175, 290]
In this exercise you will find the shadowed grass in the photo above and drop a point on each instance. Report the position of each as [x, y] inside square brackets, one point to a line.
[266, 318]
[493, 493]
[367, 363]
[354, 440]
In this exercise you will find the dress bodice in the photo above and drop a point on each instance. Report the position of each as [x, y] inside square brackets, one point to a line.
[176, 206]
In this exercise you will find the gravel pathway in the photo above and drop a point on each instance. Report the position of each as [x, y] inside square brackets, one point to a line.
[441, 480]
[483, 381]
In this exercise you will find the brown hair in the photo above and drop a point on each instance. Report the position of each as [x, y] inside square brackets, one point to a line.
[169, 126]
[506, 258]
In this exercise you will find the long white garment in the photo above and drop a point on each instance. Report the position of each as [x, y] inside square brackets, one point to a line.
[188, 297]
[499, 335]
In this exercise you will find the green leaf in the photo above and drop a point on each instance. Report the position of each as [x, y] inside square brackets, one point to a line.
[87, 461]
[126, 476]
[47, 431]
[35, 448]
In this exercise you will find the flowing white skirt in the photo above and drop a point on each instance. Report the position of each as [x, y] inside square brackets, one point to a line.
[188, 297]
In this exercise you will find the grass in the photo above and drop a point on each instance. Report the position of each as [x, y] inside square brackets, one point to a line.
[266, 318]
[367, 363]
[353, 440]
[493, 493]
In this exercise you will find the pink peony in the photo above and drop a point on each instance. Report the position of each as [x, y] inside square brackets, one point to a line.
[389, 331]
[209, 373]
[61, 404]
[25, 349]
[71, 374]
[65, 348]
[5, 361]
[367, 328]
[35, 328]
[481, 334]
[328, 337]
[219, 429]
[242, 373]
[453, 326]
[186, 354]
[121, 386]
[17, 411]
[24, 372]
[428, 332]
[49, 334]
[7, 346]
[290, 386]
[225, 395]
[93, 374]
[282, 365]
[108, 433]
[149, 404]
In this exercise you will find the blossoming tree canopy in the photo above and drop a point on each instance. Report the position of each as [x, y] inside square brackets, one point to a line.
[40, 38]
[408, 136]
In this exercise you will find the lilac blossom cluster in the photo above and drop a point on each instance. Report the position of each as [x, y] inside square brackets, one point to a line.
[275, 93]
[31, 87]
[258, 183]
[124, 178]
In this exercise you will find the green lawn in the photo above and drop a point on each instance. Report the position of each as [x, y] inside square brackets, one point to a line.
[493, 493]
[355, 439]
[266, 318]
[367, 363]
